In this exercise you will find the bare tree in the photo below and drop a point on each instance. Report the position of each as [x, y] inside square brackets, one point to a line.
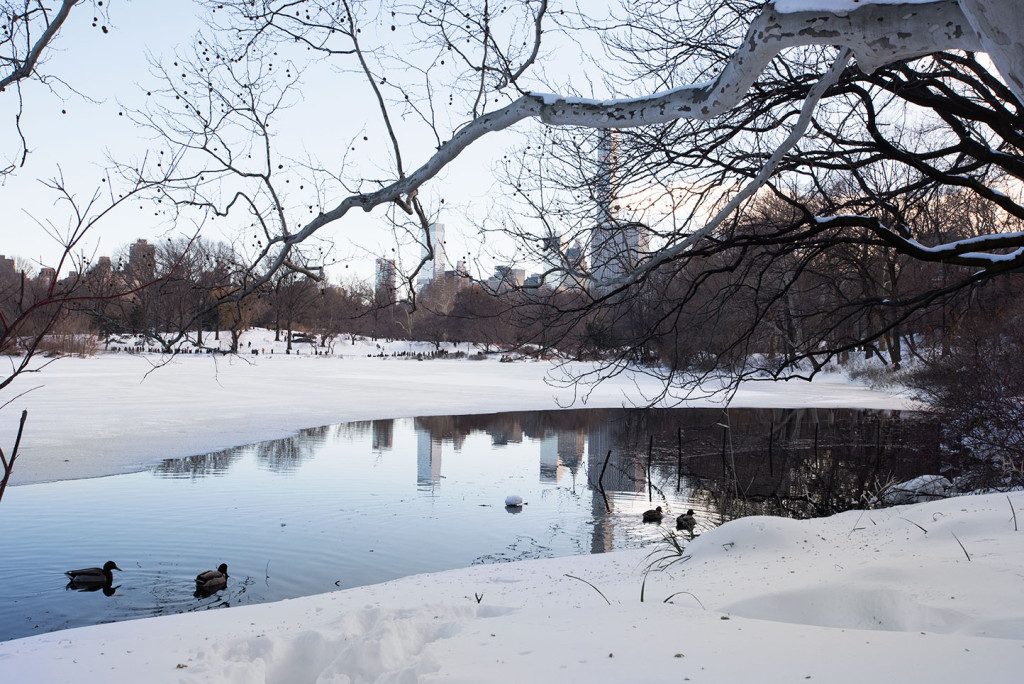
[221, 101]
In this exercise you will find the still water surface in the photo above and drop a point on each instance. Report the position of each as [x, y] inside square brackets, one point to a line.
[359, 503]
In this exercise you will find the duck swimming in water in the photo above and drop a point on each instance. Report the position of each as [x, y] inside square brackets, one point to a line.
[212, 580]
[92, 578]
[653, 515]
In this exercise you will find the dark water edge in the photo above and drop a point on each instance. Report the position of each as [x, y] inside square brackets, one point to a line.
[358, 503]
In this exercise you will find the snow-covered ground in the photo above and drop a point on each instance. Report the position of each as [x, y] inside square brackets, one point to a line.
[924, 593]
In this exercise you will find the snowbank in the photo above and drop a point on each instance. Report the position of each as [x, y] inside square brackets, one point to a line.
[886, 595]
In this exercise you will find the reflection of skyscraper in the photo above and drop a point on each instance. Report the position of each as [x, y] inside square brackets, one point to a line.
[560, 451]
[549, 458]
[428, 459]
[383, 434]
[625, 472]
[571, 445]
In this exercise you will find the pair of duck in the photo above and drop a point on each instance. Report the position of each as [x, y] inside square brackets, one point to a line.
[91, 579]
[684, 522]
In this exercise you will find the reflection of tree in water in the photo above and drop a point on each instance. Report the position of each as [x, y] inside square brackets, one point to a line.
[216, 463]
[798, 462]
[353, 431]
[286, 455]
[804, 463]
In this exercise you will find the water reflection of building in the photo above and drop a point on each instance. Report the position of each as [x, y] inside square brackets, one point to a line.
[624, 472]
[383, 434]
[560, 452]
[428, 458]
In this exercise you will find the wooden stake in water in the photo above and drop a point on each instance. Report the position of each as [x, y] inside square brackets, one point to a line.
[650, 451]
[600, 482]
[600, 478]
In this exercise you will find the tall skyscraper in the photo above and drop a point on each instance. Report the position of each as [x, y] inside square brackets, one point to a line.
[435, 268]
[606, 184]
[616, 246]
[384, 289]
[142, 260]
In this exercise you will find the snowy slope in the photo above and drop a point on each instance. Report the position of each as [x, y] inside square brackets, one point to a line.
[877, 596]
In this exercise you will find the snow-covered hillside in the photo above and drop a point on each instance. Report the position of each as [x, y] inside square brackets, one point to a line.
[923, 593]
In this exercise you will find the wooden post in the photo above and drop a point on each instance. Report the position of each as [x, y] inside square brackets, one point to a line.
[600, 482]
[600, 478]
[771, 443]
[650, 450]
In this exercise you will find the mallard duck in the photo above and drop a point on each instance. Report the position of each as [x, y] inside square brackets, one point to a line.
[93, 577]
[686, 522]
[212, 580]
[653, 515]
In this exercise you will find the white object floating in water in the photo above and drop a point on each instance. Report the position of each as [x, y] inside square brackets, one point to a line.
[514, 500]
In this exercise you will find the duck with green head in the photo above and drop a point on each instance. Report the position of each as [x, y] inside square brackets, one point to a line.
[92, 578]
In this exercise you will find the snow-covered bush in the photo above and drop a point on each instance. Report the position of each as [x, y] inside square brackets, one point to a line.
[976, 385]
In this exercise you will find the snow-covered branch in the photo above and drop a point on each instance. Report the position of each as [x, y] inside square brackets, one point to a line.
[867, 32]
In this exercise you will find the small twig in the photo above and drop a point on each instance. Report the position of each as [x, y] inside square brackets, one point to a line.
[855, 528]
[671, 596]
[591, 586]
[478, 597]
[961, 546]
[1014, 512]
[914, 524]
